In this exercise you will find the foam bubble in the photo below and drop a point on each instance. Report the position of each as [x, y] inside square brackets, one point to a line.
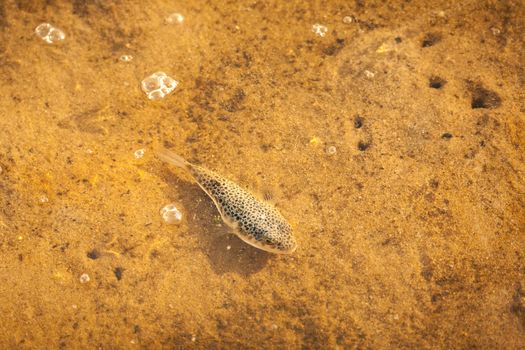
[84, 278]
[49, 34]
[175, 18]
[170, 214]
[158, 85]
[319, 29]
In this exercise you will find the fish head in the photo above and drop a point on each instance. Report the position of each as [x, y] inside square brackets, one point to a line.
[279, 239]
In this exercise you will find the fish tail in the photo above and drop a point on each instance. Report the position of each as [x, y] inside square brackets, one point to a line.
[172, 158]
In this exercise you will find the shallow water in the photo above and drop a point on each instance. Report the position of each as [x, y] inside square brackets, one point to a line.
[393, 144]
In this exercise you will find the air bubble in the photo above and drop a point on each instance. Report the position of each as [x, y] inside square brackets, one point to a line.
[126, 58]
[170, 214]
[319, 29]
[158, 85]
[139, 153]
[495, 31]
[84, 278]
[331, 150]
[49, 34]
[176, 18]
[369, 74]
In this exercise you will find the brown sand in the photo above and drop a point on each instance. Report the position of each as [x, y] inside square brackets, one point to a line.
[411, 236]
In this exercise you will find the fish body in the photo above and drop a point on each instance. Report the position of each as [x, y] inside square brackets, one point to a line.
[256, 222]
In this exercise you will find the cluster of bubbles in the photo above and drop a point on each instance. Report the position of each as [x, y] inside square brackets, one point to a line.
[158, 85]
[170, 214]
[49, 34]
[319, 29]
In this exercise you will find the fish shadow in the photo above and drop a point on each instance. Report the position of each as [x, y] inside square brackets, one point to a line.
[226, 251]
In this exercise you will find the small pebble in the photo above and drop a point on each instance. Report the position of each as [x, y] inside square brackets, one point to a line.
[74, 306]
[229, 247]
[319, 29]
[158, 85]
[383, 48]
[89, 151]
[176, 18]
[84, 278]
[193, 338]
[1, 169]
[139, 153]
[49, 34]
[43, 199]
[331, 150]
[126, 58]
[170, 214]
[314, 141]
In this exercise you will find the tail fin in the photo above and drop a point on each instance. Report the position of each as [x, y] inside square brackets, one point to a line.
[172, 158]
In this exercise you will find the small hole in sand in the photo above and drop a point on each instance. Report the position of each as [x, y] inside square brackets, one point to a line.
[431, 39]
[436, 82]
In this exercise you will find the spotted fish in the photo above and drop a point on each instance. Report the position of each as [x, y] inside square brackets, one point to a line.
[256, 222]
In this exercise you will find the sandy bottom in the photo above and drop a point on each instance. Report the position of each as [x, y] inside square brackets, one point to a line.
[411, 235]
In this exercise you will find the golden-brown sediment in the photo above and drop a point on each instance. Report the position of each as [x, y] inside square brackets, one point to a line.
[411, 233]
